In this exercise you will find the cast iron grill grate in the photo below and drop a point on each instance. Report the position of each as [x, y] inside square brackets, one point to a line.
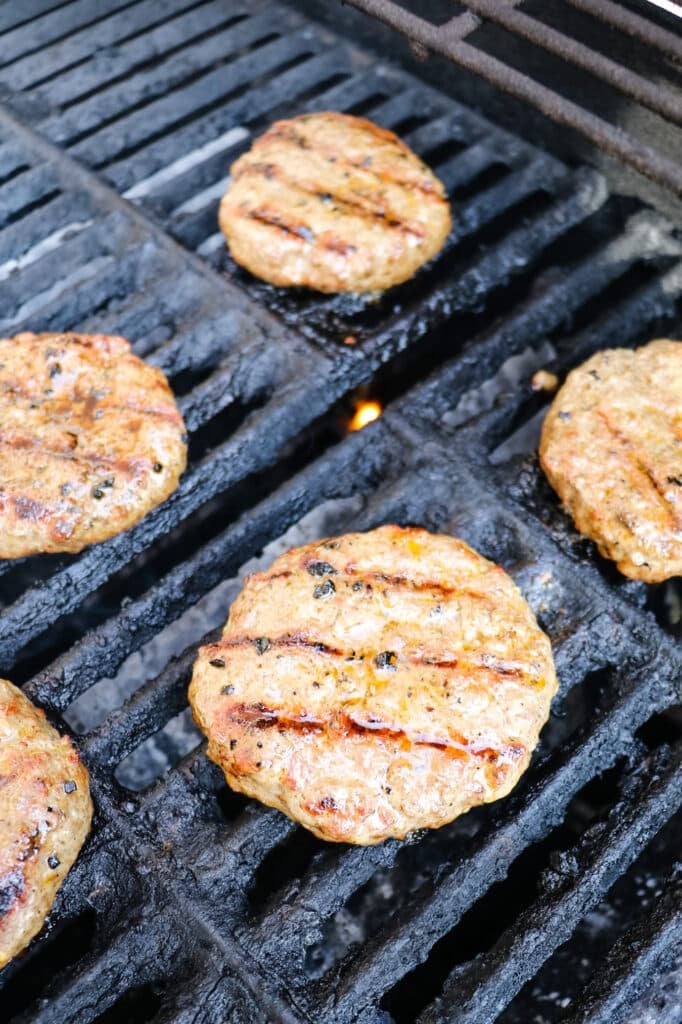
[189, 903]
[609, 71]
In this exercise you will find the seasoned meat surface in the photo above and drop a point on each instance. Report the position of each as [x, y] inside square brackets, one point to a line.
[335, 203]
[90, 440]
[45, 813]
[611, 447]
[375, 683]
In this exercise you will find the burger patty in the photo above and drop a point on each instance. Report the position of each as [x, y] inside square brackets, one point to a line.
[335, 203]
[45, 814]
[90, 440]
[375, 683]
[611, 447]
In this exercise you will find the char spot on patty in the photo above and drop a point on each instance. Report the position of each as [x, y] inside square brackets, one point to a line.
[11, 888]
[324, 590]
[387, 660]
[320, 568]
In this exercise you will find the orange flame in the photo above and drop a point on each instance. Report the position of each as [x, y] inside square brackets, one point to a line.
[365, 412]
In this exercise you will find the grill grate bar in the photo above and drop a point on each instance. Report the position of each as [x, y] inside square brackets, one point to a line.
[138, 719]
[627, 21]
[446, 39]
[33, 35]
[657, 97]
[481, 990]
[148, 156]
[58, 63]
[11, 16]
[638, 958]
[123, 132]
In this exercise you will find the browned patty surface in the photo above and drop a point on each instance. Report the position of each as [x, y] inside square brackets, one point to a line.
[612, 449]
[375, 683]
[335, 203]
[90, 440]
[45, 813]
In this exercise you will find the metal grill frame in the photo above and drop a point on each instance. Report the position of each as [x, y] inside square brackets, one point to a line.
[166, 875]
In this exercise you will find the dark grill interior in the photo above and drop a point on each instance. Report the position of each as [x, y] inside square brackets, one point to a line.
[190, 903]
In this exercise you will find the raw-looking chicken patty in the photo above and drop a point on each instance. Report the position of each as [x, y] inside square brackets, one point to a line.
[375, 683]
[611, 447]
[90, 440]
[45, 813]
[335, 203]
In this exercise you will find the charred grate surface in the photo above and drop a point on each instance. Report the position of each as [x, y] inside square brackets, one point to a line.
[190, 903]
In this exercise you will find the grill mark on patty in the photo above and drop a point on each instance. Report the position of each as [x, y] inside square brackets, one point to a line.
[368, 210]
[486, 662]
[53, 404]
[125, 465]
[628, 446]
[286, 640]
[257, 715]
[358, 574]
[333, 156]
[409, 583]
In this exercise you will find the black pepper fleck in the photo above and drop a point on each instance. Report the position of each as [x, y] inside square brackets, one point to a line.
[386, 659]
[158, 468]
[677, 480]
[359, 585]
[233, 744]
[262, 644]
[53, 861]
[227, 690]
[54, 370]
[325, 589]
[70, 786]
[97, 492]
[217, 663]
[565, 415]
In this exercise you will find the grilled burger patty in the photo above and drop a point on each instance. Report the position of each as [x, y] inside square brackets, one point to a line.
[611, 447]
[90, 440]
[375, 683]
[335, 203]
[45, 813]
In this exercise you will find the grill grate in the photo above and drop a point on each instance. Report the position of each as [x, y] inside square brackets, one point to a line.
[462, 40]
[188, 902]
